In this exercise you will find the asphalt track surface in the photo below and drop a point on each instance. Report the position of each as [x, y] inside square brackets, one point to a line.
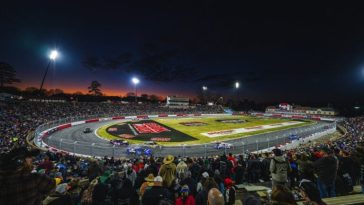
[74, 140]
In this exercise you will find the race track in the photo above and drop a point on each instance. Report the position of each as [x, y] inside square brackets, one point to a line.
[74, 140]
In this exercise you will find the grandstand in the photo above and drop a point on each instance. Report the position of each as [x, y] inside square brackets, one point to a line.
[246, 169]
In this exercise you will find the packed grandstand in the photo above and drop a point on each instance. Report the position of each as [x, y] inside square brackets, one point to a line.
[310, 174]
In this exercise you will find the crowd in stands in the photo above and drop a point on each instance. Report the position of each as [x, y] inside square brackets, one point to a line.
[307, 173]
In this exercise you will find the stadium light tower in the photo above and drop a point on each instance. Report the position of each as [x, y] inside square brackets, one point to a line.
[135, 81]
[204, 90]
[52, 57]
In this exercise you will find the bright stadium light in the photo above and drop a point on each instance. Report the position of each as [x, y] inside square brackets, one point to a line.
[204, 88]
[237, 85]
[135, 81]
[53, 55]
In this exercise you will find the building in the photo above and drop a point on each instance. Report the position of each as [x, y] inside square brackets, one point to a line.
[285, 106]
[289, 109]
[177, 102]
[271, 109]
[321, 111]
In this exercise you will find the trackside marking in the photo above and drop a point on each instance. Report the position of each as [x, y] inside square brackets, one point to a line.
[220, 133]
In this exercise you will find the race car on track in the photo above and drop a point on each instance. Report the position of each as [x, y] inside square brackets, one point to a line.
[87, 130]
[138, 150]
[223, 145]
[151, 144]
[119, 142]
[293, 137]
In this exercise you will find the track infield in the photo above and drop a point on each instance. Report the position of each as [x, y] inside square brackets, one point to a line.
[174, 131]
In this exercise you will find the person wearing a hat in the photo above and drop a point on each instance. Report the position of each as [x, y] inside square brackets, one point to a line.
[156, 193]
[19, 185]
[279, 168]
[181, 169]
[147, 184]
[59, 197]
[168, 171]
[229, 194]
[185, 197]
[326, 171]
[205, 176]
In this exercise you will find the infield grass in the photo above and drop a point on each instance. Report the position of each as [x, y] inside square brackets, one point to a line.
[211, 124]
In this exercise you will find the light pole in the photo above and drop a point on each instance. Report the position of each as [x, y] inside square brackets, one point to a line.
[52, 58]
[135, 81]
[237, 85]
[204, 89]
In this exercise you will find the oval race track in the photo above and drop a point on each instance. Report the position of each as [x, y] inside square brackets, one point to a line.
[75, 141]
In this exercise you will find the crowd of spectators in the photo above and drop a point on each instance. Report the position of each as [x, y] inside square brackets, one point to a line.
[309, 172]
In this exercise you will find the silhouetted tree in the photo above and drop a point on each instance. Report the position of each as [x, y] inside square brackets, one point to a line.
[7, 74]
[94, 88]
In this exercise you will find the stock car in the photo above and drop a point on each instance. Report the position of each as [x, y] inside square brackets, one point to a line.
[223, 145]
[151, 144]
[87, 130]
[293, 137]
[119, 142]
[138, 150]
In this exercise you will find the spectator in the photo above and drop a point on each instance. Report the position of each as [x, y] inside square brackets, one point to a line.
[215, 197]
[201, 198]
[239, 173]
[281, 195]
[190, 182]
[360, 155]
[279, 168]
[310, 193]
[147, 184]
[17, 184]
[229, 194]
[157, 193]
[326, 169]
[204, 177]
[47, 165]
[121, 188]
[59, 197]
[185, 198]
[168, 171]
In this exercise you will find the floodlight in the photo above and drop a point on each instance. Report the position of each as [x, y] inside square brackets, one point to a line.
[53, 55]
[135, 81]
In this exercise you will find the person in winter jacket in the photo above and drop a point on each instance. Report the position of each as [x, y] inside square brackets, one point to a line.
[326, 169]
[157, 193]
[186, 198]
[168, 171]
[229, 194]
[59, 197]
[279, 168]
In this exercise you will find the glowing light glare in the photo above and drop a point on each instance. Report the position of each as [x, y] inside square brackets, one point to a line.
[135, 81]
[237, 85]
[204, 87]
[53, 55]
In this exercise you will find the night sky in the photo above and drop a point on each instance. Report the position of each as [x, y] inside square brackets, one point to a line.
[287, 52]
